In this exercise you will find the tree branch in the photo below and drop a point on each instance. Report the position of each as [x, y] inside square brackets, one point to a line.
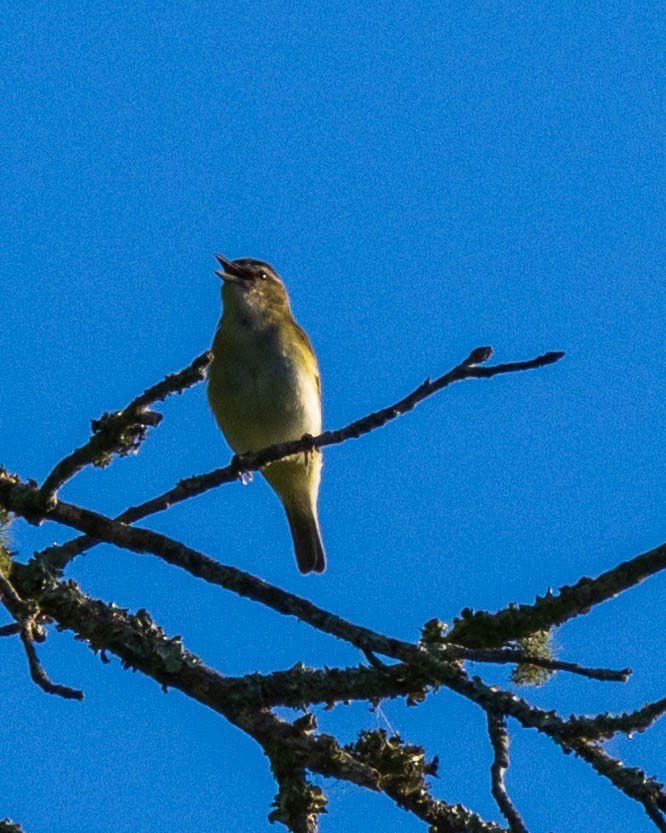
[25, 620]
[198, 484]
[602, 726]
[141, 644]
[20, 499]
[123, 431]
[504, 656]
[429, 659]
[633, 782]
[487, 630]
[499, 739]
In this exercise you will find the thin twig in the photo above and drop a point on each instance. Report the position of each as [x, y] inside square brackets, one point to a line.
[503, 656]
[499, 738]
[123, 430]
[25, 622]
[632, 781]
[18, 496]
[198, 484]
[40, 677]
[606, 725]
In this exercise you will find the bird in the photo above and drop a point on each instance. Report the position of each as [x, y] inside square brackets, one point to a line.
[264, 388]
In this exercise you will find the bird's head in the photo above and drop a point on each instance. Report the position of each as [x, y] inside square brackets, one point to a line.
[252, 283]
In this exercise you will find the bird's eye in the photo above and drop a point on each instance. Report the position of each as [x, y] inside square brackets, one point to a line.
[263, 276]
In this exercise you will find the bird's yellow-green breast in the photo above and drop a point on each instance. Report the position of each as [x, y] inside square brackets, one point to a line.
[264, 388]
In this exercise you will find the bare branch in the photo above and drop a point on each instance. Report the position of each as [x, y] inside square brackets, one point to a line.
[632, 781]
[142, 540]
[25, 620]
[141, 644]
[487, 630]
[198, 484]
[39, 675]
[504, 656]
[606, 725]
[499, 739]
[123, 431]
[21, 499]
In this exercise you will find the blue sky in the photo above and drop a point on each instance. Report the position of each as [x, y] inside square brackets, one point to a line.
[426, 180]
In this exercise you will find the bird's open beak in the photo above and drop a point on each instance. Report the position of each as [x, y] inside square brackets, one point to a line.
[229, 271]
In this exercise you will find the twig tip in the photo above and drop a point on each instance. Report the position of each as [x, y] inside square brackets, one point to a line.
[478, 356]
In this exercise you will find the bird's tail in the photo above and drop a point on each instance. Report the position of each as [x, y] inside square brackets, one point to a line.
[308, 547]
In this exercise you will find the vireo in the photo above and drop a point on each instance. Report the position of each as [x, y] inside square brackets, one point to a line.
[263, 388]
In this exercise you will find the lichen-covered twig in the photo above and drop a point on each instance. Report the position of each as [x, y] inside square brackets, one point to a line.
[196, 485]
[19, 498]
[123, 431]
[488, 630]
[25, 621]
[503, 656]
[603, 726]
[403, 771]
[499, 740]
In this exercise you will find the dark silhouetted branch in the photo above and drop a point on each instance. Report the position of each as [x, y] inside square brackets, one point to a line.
[25, 620]
[603, 726]
[403, 770]
[198, 484]
[505, 656]
[632, 781]
[487, 630]
[123, 431]
[499, 740]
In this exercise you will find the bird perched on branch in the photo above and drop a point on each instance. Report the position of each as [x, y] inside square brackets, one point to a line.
[263, 388]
